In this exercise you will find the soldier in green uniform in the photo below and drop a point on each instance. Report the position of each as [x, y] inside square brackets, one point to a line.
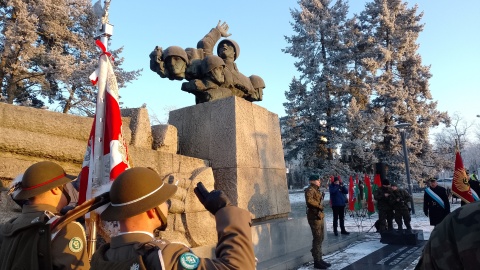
[42, 187]
[139, 201]
[315, 217]
[400, 199]
[455, 242]
[385, 210]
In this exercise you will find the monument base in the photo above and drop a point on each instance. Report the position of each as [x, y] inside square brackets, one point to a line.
[403, 237]
[242, 143]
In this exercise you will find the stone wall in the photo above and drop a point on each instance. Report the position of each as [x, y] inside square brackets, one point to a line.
[30, 135]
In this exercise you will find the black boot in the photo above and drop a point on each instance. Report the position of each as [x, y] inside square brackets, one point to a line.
[335, 232]
[409, 228]
[325, 263]
[319, 265]
[342, 227]
[390, 225]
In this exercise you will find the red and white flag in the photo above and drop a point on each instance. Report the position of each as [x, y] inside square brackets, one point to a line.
[115, 153]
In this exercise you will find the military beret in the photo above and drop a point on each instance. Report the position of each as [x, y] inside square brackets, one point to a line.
[314, 177]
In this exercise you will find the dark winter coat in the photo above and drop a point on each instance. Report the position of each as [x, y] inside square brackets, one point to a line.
[432, 209]
[475, 185]
[383, 202]
[337, 194]
[400, 199]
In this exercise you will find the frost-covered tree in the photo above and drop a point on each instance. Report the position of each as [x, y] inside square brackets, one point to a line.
[47, 53]
[358, 146]
[316, 104]
[399, 82]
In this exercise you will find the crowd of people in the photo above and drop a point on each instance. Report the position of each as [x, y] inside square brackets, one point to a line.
[393, 204]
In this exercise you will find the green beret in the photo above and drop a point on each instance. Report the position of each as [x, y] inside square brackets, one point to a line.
[314, 177]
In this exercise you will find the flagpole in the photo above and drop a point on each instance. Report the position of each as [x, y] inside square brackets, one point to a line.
[98, 172]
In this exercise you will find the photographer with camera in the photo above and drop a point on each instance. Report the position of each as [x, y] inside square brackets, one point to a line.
[400, 199]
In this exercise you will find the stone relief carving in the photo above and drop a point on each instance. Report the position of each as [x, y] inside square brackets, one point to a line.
[209, 77]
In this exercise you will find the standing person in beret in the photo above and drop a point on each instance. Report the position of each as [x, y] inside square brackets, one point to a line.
[384, 206]
[42, 188]
[435, 202]
[315, 216]
[140, 201]
[338, 199]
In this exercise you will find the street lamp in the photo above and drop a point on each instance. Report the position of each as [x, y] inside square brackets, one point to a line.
[402, 128]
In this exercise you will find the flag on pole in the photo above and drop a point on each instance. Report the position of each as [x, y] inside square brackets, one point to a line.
[460, 186]
[115, 153]
[369, 196]
[377, 183]
[359, 200]
[351, 195]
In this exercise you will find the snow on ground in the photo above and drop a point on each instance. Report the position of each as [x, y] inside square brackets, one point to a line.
[349, 255]
[360, 222]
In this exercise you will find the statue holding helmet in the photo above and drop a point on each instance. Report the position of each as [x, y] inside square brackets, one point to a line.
[210, 77]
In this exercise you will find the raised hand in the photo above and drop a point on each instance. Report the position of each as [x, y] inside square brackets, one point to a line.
[223, 28]
[214, 200]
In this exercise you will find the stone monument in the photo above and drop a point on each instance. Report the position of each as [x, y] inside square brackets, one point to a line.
[242, 142]
[209, 77]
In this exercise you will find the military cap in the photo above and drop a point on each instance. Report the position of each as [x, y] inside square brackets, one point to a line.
[433, 179]
[314, 177]
[257, 81]
[394, 184]
[335, 179]
[210, 62]
[39, 178]
[175, 51]
[135, 191]
[385, 182]
[234, 45]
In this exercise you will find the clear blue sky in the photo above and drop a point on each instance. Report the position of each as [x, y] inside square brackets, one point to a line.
[450, 43]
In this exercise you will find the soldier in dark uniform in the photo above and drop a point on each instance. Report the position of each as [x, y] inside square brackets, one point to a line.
[400, 200]
[435, 202]
[315, 217]
[139, 201]
[455, 242]
[385, 210]
[43, 189]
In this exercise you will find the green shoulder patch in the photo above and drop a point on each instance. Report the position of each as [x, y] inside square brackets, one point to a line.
[189, 260]
[75, 244]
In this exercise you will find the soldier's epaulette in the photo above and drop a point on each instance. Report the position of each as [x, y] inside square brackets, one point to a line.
[144, 248]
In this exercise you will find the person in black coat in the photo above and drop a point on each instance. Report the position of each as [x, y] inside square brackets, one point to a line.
[435, 202]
